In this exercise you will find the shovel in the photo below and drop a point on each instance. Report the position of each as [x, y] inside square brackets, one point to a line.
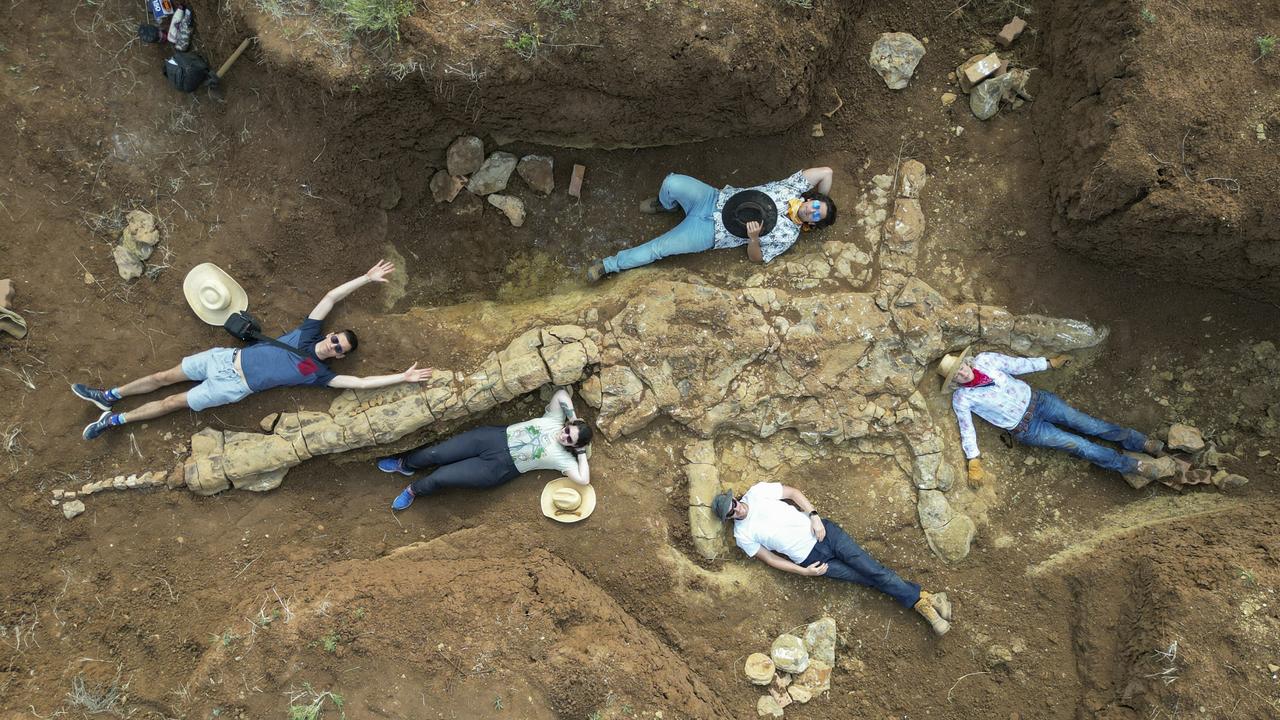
[215, 79]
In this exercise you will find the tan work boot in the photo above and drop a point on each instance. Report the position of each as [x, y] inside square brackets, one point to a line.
[1158, 468]
[925, 607]
[941, 603]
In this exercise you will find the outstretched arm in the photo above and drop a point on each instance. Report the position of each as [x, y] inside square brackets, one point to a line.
[1013, 365]
[819, 178]
[413, 374]
[562, 402]
[377, 273]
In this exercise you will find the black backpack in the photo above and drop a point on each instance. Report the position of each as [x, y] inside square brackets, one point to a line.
[244, 327]
[186, 71]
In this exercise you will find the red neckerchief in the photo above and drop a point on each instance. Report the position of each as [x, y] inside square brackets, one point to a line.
[979, 379]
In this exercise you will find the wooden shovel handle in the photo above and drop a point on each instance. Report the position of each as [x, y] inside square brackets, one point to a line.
[234, 56]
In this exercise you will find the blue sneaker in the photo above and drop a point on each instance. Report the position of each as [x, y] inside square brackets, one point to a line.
[394, 465]
[93, 395]
[97, 427]
[403, 500]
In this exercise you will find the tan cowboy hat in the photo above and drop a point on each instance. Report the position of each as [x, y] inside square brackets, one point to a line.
[948, 366]
[213, 294]
[564, 500]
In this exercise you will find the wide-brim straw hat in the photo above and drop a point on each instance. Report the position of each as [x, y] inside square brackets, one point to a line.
[948, 366]
[213, 294]
[564, 500]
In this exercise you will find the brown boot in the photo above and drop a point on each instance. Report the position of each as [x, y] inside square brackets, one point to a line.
[653, 206]
[926, 609]
[1153, 447]
[1158, 468]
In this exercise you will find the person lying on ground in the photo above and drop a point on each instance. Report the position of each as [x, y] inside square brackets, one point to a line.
[784, 209]
[768, 526]
[985, 384]
[229, 375]
[489, 456]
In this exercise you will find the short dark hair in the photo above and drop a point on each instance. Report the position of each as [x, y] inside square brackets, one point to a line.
[584, 433]
[352, 340]
[830, 217]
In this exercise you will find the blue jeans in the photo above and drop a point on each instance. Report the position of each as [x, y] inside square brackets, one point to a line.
[695, 233]
[1051, 415]
[475, 459]
[847, 561]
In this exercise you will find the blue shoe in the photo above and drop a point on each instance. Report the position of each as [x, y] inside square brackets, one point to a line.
[97, 427]
[403, 500]
[93, 395]
[394, 465]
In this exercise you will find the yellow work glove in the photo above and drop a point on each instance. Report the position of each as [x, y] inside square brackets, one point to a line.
[976, 474]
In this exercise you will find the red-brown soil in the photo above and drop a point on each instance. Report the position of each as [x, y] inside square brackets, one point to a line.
[163, 594]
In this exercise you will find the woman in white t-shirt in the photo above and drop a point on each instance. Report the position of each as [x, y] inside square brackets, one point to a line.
[493, 455]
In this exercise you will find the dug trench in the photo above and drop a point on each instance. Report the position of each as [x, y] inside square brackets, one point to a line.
[1079, 597]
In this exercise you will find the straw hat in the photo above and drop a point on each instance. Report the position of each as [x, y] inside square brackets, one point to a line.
[948, 366]
[564, 500]
[213, 294]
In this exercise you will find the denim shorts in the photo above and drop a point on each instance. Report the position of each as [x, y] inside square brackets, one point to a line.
[220, 384]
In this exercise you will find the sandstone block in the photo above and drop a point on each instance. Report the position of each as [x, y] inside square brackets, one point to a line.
[1011, 31]
[1185, 438]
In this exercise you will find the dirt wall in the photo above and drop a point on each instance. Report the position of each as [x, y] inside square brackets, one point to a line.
[581, 74]
[1159, 135]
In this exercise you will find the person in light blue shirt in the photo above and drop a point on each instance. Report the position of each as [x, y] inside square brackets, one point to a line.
[228, 375]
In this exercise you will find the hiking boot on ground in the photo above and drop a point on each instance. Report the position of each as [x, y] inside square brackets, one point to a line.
[926, 609]
[940, 602]
[394, 465]
[1158, 468]
[403, 500]
[97, 427]
[596, 271]
[653, 206]
[94, 395]
[1153, 447]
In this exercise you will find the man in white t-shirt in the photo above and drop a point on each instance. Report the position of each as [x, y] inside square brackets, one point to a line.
[778, 526]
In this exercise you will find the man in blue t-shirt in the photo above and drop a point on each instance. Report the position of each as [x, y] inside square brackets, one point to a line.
[228, 375]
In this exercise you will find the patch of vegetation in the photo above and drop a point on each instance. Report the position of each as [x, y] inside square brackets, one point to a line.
[360, 613]
[330, 642]
[1149, 16]
[497, 703]
[1266, 46]
[563, 10]
[375, 17]
[1247, 577]
[307, 704]
[806, 4]
[227, 637]
[95, 699]
[525, 43]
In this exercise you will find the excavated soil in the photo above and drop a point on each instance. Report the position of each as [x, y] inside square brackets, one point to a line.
[1082, 598]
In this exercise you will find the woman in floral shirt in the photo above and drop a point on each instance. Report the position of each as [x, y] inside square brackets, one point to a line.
[800, 201]
[493, 455]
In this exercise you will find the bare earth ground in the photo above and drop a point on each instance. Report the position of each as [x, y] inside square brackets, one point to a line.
[223, 606]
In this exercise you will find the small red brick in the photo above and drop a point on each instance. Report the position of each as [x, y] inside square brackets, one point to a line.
[1011, 31]
[575, 182]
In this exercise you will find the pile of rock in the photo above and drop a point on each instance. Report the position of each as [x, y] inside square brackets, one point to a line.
[1196, 461]
[137, 242]
[796, 670]
[467, 167]
[988, 82]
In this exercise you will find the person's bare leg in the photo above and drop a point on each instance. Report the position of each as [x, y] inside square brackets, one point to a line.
[156, 408]
[151, 383]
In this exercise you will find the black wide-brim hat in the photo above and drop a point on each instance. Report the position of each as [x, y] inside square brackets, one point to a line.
[749, 206]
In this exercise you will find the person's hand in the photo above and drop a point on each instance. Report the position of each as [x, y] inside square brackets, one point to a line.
[1059, 361]
[379, 272]
[818, 568]
[753, 230]
[819, 530]
[413, 374]
[977, 476]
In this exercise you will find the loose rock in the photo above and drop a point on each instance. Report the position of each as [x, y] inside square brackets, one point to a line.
[759, 669]
[575, 181]
[948, 99]
[788, 654]
[800, 693]
[510, 206]
[816, 678]
[465, 155]
[985, 99]
[72, 508]
[493, 175]
[976, 72]
[768, 707]
[911, 179]
[1185, 438]
[538, 173]
[817, 130]
[445, 187]
[895, 57]
[1011, 31]
[820, 640]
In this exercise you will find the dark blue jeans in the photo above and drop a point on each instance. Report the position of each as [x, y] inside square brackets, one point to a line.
[1052, 415]
[847, 561]
[475, 459]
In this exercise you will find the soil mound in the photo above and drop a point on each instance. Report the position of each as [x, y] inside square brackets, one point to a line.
[1159, 152]
[581, 74]
[470, 622]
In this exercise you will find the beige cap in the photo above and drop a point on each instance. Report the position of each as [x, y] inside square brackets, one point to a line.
[948, 366]
[213, 294]
[564, 500]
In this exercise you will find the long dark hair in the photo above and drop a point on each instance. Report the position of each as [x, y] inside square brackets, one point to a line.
[830, 217]
[584, 436]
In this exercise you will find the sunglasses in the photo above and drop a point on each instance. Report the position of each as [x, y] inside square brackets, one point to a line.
[733, 507]
[816, 206]
[337, 344]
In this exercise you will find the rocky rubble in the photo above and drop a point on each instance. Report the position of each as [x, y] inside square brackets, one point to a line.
[796, 670]
[137, 241]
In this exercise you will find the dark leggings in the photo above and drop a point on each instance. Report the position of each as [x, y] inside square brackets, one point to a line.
[475, 459]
